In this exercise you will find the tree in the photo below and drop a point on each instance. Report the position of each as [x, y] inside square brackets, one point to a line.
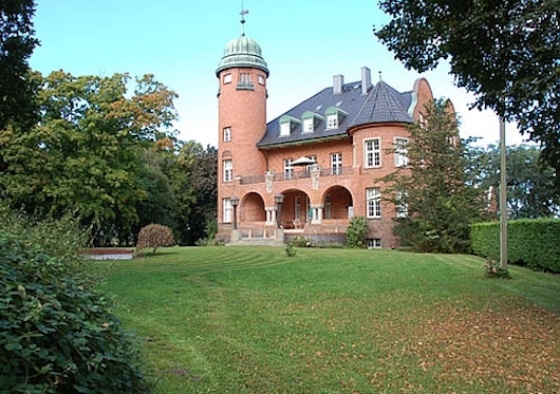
[84, 154]
[530, 184]
[16, 45]
[505, 52]
[155, 236]
[434, 202]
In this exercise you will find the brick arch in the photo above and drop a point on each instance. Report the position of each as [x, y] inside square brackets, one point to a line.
[252, 208]
[227, 154]
[335, 201]
[295, 208]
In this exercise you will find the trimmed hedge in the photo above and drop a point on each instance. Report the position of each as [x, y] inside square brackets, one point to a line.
[531, 242]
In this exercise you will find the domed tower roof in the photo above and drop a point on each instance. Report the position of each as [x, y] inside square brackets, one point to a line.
[242, 52]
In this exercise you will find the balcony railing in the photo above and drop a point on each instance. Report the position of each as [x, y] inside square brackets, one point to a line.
[296, 174]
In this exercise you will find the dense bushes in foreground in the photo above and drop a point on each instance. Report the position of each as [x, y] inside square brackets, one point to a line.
[531, 242]
[56, 333]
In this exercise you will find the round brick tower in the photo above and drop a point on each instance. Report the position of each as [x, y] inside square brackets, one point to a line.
[242, 74]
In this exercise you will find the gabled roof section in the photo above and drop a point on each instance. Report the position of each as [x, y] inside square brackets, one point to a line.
[381, 104]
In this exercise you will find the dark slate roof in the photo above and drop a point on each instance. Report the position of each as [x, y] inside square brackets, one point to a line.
[381, 104]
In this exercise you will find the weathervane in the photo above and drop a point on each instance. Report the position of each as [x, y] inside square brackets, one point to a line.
[243, 13]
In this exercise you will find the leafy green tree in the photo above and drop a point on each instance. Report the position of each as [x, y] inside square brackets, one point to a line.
[16, 45]
[530, 183]
[84, 155]
[435, 203]
[505, 52]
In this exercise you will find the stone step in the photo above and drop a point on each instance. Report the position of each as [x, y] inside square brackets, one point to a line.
[256, 242]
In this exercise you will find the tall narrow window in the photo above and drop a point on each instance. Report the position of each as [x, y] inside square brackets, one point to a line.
[336, 163]
[401, 152]
[288, 169]
[373, 197]
[297, 207]
[402, 205]
[228, 171]
[227, 78]
[227, 210]
[372, 150]
[227, 134]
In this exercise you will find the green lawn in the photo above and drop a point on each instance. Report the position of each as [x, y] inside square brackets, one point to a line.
[252, 320]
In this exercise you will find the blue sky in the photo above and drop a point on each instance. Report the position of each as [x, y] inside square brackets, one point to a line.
[181, 42]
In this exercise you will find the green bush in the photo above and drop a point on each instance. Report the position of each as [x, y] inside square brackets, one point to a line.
[357, 232]
[531, 242]
[56, 333]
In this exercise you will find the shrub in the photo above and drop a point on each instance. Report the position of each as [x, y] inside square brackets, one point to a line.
[495, 270]
[155, 236]
[357, 232]
[56, 332]
[531, 242]
[290, 249]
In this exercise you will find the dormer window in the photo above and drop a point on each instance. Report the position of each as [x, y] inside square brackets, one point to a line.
[334, 116]
[308, 125]
[311, 121]
[332, 121]
[287, 125]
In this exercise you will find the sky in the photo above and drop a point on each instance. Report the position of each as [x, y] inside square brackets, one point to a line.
[305, 43]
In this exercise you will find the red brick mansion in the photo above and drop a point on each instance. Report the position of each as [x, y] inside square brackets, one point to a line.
[309, 171]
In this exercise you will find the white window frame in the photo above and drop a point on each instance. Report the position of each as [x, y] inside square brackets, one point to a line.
[308, 125]
[227, 79]
[288, 169]
[297, 208]
[374, 243]
[285, 129]
[336, 163]
[332, 121]
[401, 207]
[227, 134]
[373, 206]
[401, 151]
[228, 170]
[227, 211]
[372, 153]
[261, 79]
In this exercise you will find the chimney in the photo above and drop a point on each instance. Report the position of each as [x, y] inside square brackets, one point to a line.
[338, 81]
[366, 80]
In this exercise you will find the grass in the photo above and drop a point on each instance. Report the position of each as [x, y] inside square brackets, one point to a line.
[252, 320]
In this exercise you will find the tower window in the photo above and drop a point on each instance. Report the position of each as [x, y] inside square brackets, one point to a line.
[227, 210]
[261, 80]
[372, 151]
[227, 134]
[244, 82]
[373, 196]
[227, 79]
[401, 152]
[228, 170]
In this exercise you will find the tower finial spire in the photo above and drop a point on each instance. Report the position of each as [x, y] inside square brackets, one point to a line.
[380, 76]
[243, 13]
